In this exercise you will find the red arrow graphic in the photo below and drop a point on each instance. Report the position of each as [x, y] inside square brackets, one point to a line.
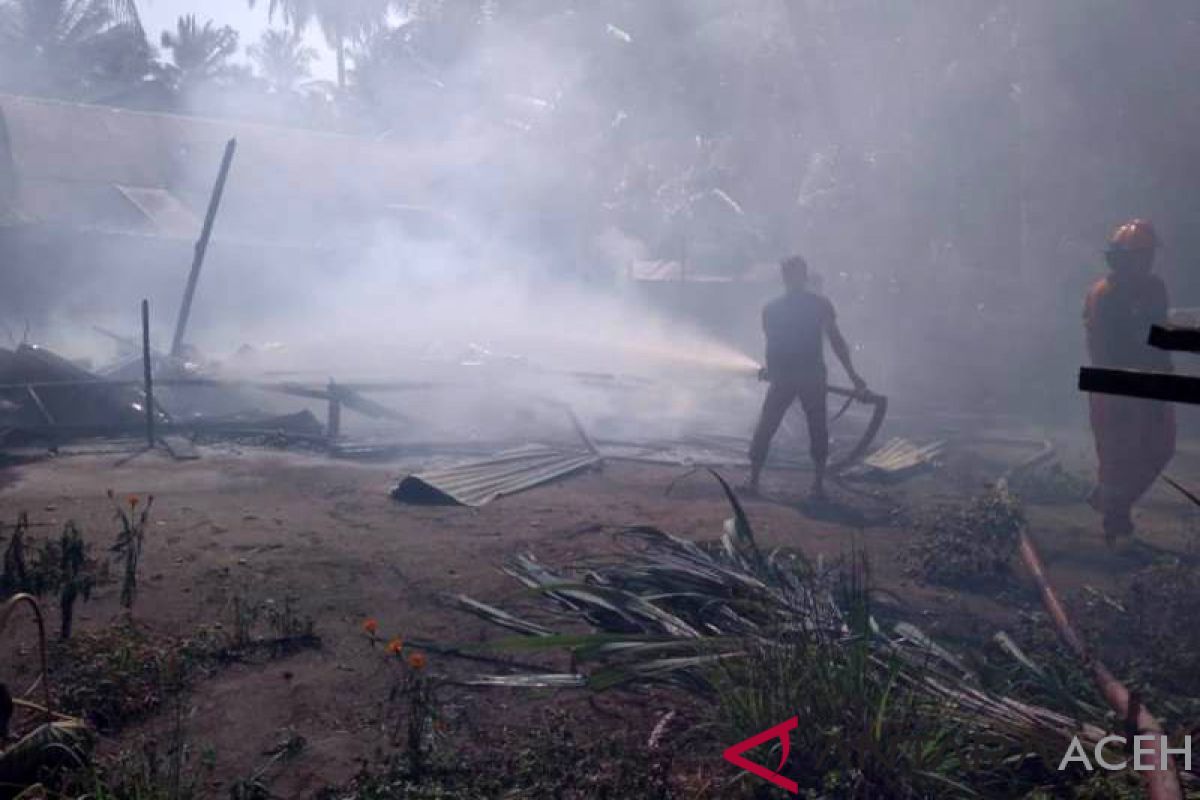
[734, 754]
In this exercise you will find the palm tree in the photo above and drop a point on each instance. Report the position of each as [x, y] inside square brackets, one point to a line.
[199, 54]
[123, 12]
[341, 21]
[434, 35]
[71, 48]
[283, 59]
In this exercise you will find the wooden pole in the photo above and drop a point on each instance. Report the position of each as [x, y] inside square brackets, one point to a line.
[147, 374]
[334, 426]
[214, 203]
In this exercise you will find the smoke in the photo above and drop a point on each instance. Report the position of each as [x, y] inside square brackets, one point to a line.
[949, 169]
[524, 274]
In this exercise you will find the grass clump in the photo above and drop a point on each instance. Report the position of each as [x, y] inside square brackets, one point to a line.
[122, 673]
[866, 728]
[263, 628]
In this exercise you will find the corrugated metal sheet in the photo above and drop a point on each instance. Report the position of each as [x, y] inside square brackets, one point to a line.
[60, 162]
[169, 216]
[478, 482]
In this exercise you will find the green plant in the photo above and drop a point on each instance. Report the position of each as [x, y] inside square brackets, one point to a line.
[868, 728]
[257, 785]
[169, 770]
[287, 629]
[61, 565]
[16, 572]
[286, 623]
[245, 617]
[765, 636]
[419, 690]
[413, 698]
[76, 578]
[128, 545]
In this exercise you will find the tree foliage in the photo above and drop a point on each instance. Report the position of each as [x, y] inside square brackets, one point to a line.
[283, 59]
[342, 21]
[199, 53]
[946, 155]
[78, 49]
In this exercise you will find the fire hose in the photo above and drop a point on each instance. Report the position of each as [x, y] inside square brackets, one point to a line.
[879, 407]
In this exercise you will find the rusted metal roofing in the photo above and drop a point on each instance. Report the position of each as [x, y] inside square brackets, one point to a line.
[478, 482]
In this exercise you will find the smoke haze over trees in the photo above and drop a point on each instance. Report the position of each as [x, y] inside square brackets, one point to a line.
[950, 168]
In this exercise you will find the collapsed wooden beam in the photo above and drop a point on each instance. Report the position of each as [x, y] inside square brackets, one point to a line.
[189, 293]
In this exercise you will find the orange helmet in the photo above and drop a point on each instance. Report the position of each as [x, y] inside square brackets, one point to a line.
[1137, 234]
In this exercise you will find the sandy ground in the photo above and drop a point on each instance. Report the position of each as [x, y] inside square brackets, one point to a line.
[268, 524]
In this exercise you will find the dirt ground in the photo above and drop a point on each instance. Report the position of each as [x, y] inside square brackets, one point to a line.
[254, 523]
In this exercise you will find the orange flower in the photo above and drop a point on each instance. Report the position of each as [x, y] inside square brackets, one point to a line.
[417, 661]
[395, 646]
[370, 626]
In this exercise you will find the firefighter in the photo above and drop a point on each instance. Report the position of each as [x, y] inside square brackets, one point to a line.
[796, 326]
[1135, 438]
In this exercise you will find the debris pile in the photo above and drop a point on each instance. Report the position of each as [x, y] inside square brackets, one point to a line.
[40, 389]
[1148, 630]
[957, 545]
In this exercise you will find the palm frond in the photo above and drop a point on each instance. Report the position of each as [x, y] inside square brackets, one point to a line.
[123, 12]
[675, 612]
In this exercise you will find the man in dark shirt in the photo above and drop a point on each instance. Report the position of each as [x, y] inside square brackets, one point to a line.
[796, 326]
